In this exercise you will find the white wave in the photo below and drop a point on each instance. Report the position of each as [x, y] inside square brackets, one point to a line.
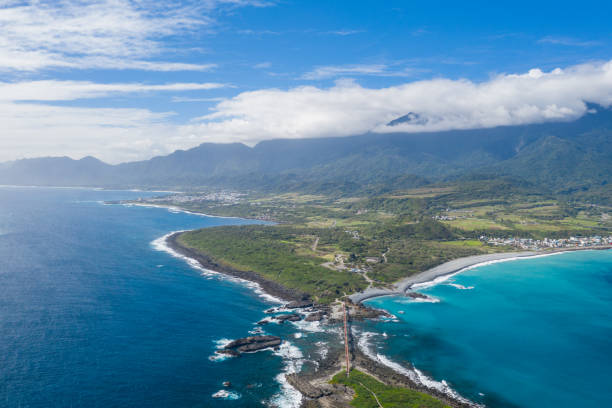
[314, 327]
[174, 209]
[322, 349]
[226, 395]
[297, 335]
[293, 359]
[460, 287]
[222, 343]
[256, 330]
[415, 375]
[161, 245]
[428, 299]
[219, 345]
[408, 300]
[219, 357]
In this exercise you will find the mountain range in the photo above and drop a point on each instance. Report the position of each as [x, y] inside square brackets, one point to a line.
[561, 157]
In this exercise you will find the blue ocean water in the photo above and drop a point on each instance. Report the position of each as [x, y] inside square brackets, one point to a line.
[92, 315]
[526, 333]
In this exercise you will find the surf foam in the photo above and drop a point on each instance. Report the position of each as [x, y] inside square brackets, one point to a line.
[160, 244]
[293, 360]
[415, 375]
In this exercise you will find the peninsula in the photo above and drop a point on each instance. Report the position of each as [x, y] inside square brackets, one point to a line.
[322, 252]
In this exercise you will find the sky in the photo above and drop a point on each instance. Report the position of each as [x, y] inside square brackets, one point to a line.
[126, 80]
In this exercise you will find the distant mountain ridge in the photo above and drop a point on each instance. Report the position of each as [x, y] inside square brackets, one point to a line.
[563, 157]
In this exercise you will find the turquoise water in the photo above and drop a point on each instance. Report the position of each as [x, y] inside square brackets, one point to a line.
[92, 315]
[529, 333]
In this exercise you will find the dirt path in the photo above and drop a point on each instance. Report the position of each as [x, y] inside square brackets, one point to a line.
[372, 392]
[314, 246]
[366, 277]
[384, 254]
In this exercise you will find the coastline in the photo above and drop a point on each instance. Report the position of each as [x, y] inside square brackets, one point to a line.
[377, 367]
[446, 270]
[271, 288]
[329, 365]
[173, 208]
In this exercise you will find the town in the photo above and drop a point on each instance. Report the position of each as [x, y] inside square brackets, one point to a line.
[536, 244]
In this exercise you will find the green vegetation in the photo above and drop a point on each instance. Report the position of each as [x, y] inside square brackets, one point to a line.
[329, 246]
[389, 397]
[273, 252]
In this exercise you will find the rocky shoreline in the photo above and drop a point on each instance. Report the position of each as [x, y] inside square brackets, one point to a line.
[319, 393]
[270, 287]
[314, 386]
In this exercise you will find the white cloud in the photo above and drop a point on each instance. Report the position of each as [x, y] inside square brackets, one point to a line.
[71, 90]
[334, 71]
[567, 41]
[348, 109]
[345, 109]
[263, 65]
[112, 134]
[331, 71]
[114, 34]
[186, 99]
[344, 33]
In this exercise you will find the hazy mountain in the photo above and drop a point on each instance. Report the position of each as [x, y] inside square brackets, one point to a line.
[561, 157]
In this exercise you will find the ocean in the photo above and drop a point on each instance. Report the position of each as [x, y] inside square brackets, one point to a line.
[94, 312]
[533, 332]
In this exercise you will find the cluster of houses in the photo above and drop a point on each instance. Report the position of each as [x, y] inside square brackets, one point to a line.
[226, 197]
[354, 234]
[529, 243]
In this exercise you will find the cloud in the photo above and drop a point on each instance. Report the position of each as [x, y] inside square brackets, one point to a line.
[344, 109]
[111, 134]
[52, 90]
[184, 99]
[570, 42]
[258, 32]
[31, 128]
[348, 108]
[263, 65]
[343, 33]
[113, 34]
[334, 71]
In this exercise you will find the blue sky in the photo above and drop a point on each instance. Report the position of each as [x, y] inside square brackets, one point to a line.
[125, 79]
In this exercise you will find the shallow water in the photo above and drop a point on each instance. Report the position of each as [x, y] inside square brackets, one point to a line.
[93, 315]
[527, 333]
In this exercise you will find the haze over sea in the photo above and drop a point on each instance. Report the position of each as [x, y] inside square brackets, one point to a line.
[93, 313]
[533, 332]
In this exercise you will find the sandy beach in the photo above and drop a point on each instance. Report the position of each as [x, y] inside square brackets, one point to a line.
[453, 267]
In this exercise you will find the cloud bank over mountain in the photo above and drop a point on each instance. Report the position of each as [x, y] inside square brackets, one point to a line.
[347, 108]
[441, 104]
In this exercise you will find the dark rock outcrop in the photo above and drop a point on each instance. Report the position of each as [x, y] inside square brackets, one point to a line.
[306, 388]
[253, 343]
[293, 317]
[315, 317]
[233, 353]
[296, 304]
[416, 295]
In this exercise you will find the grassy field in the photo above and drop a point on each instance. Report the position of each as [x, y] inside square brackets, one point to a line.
[381, 238]
[366, 387]
[341, 259]
[278, 254]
